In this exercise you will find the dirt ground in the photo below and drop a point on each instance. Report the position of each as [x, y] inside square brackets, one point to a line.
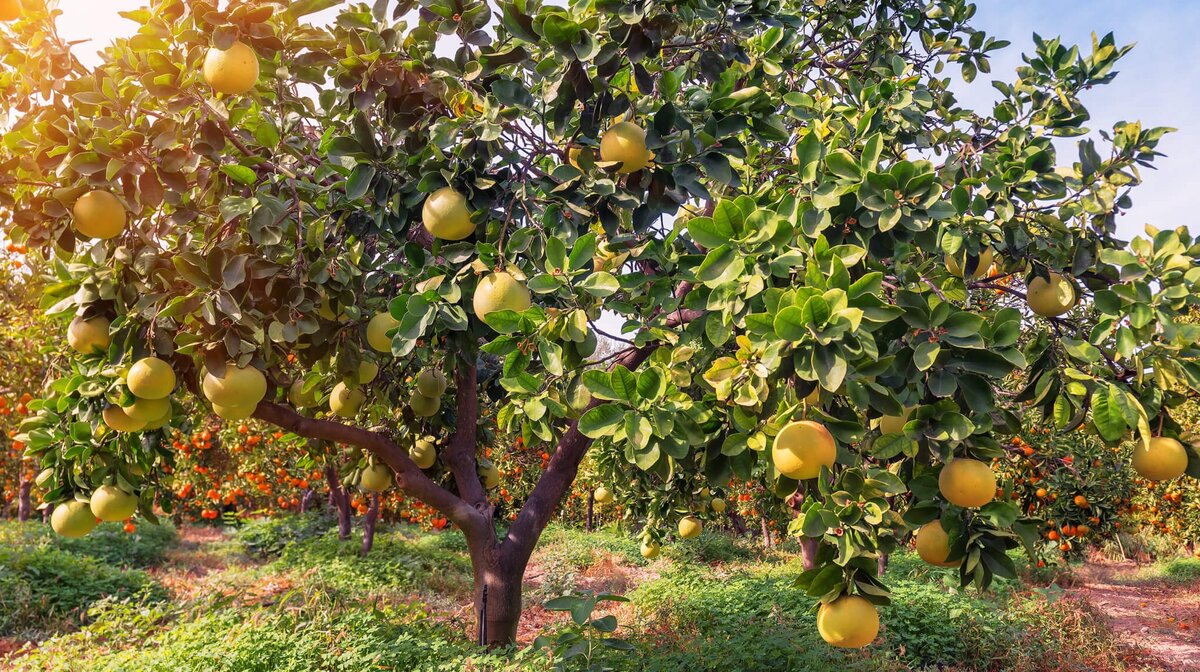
[1160, 618]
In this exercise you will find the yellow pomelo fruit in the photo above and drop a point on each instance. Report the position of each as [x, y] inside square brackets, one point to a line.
[367, 371]
[161, 421]
[488, 473]
[110, 503]
[967, 483]
[233, 71]
[300, 398]
[345, 401]
[933, 545]
[73, 519]
[718, 505]
[377, 330]
[894, 424]
[1163, 460]
[98, 214]
[603, 495]
[1050, 298]
[431, 383]
[118, 421]
[500, 291]
[376, 478]
[849, 622]
[151, 378]
[625, 142]
[977, 270]
[689, 527]
[148, 410]
[650, 549]
[89, 336]
[234, 412]
[238, 387]
[801, 448]
[576, 155]
[424, 406]
[10, 10]
[446, 215]
[423, 453]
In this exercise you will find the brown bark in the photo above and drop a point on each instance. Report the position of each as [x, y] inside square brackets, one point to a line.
[766, 532]
[24, 505]
[881, 564]
[808, 552]
[499, 565]
[739, 524]
[369, 522]
[341, 501]
[306, 499]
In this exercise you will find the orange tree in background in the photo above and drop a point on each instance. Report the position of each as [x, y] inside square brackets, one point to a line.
[422, 220]
[1079, 487]
[24, 334]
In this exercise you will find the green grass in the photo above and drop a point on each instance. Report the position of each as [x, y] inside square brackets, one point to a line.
[108, 543]
[715, 603]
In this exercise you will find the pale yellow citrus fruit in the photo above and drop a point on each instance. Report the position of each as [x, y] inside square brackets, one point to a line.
[237, 387]
[801, 448]
[110, 503]
[376, 478]
[1164, 459]
[98, 214]
[690, 527]
[849, 622]
[446, 215]
[89, 336]
[625, 142]
[500, 291]
[377, 330]
[933, 545]
[233, 71]
[967, 483]
[73, 519]
[1050, 298]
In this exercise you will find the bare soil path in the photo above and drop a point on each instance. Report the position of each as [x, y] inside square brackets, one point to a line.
[1161, 618]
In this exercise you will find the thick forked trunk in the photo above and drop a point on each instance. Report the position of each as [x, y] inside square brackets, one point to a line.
[24, 505]
[497, 599]
[369, 524]
[341, 501]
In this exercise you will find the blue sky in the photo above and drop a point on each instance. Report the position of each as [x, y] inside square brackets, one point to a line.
[1158, 84]
[1159, 81]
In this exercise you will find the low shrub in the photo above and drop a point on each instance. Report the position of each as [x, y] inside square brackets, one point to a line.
[713, 548]
[268, 537]
[109, 542]
[278, 640]
[402, 558]
[44, 589]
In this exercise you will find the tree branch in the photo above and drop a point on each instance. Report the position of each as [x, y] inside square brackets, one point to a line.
[564, 463]
[460, 454]
[409, 476]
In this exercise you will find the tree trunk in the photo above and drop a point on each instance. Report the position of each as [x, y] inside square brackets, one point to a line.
[739, 525]
[808, 552]
[24, 506]
[766, 531]
[306, 499]
[497, 599]
[369, 524]
[882, 563]
[591, 511]
[341, 500]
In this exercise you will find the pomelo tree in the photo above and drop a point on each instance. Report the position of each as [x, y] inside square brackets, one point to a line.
[410, 229]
